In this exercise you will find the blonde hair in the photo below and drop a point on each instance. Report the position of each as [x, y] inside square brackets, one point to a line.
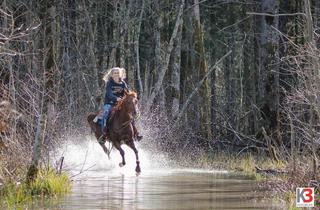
[108, 74]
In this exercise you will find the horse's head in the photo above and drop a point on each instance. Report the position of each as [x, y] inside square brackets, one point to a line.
[129, 102]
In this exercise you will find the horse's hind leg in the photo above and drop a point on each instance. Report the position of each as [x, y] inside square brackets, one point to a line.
[105, 149]
[118, 147]
[133, 147]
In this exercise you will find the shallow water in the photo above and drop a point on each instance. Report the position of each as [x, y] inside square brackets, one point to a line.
[103, 185]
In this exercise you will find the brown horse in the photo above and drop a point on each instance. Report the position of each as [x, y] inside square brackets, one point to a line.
[121, 130]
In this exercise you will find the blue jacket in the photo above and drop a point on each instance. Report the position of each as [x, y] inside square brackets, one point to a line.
[114, 90]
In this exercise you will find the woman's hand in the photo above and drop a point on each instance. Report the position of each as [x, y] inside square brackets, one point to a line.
[119, 99]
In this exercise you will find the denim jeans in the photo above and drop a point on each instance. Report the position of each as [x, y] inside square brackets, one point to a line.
[103, 119]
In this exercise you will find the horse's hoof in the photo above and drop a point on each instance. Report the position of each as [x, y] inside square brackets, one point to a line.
[121, 164]
[138, 170]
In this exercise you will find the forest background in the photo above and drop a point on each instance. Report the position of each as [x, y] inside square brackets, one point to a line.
[212, 75]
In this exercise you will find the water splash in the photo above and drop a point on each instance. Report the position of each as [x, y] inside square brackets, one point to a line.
[85, 158]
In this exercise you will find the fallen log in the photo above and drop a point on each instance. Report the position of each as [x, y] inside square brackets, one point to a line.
[269, 171]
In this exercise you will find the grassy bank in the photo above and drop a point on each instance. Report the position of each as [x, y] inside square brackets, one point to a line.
[277, 179]
[47, 184]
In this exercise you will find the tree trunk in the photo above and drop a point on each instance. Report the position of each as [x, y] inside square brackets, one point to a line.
[175, 74]
[36, 154]
[68, 53]
[137, 54]
[269, 68]
[157, 39]
[317, 20]
[314, 72]
[46, 69]
[100, 43]
[202, 66]
[248, 74]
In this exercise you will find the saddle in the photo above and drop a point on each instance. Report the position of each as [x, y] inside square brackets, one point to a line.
[110, 119]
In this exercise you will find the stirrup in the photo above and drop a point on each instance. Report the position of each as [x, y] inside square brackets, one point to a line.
[102, 139]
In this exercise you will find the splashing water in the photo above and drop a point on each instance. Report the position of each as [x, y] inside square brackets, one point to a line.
[87, 159]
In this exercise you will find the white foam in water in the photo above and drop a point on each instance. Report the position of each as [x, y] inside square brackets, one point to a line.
[88, 159]
[84, 158]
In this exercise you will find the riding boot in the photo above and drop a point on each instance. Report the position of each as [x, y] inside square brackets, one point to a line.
[103, 138]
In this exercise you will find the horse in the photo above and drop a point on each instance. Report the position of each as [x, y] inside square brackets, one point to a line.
[120, 130]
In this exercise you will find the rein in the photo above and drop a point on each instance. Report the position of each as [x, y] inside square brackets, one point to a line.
[124, 125]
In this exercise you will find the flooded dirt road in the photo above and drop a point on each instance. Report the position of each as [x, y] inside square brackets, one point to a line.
[173, 189]
[103, 185]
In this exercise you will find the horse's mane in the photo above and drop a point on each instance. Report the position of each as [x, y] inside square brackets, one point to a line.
[121, 102]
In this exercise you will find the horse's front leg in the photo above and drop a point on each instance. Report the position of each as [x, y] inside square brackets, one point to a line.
[133, 147]
[118, 147]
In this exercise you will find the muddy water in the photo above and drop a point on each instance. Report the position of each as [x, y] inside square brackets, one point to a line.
[103, 185]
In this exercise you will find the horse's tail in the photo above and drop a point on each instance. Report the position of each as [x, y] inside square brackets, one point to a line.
[90, 118]
[94, 127]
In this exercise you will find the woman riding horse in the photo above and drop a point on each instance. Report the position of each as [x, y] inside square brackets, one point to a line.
[122, 129]
[115, 87]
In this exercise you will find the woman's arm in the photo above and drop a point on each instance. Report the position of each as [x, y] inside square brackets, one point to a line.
[110, 97]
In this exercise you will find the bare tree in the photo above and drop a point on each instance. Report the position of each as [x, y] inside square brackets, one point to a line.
[269, 72]
[164, 66]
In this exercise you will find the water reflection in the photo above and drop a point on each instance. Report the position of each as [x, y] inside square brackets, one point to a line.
[176, 189]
